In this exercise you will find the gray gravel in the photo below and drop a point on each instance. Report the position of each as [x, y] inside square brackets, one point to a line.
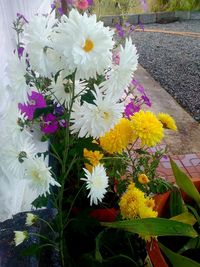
[173, 61]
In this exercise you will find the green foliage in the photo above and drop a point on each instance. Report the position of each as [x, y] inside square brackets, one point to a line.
[185, 183]
[174, 5]
[154, 227]
[177, 205]
[178, 260]
[193, 243]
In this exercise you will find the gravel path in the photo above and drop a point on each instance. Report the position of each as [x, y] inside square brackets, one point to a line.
[173, 61]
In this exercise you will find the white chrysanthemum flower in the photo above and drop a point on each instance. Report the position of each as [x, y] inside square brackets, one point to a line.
[85, 43]
[61, 90]
[31, 219]
[39, 176]
[97, 182]
[14, 153]
[95, 119]
[120, 76]
[16, 71]
[40, 46]
[20, 237]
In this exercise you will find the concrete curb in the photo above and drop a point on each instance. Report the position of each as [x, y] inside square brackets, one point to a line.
[152, 17]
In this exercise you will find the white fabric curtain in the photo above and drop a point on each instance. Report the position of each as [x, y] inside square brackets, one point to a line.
[8, 13]
[15, 196]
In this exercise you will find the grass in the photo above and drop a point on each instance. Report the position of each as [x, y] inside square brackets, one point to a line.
[110, 7]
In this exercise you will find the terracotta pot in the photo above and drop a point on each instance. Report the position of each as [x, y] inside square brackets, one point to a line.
[161, 200]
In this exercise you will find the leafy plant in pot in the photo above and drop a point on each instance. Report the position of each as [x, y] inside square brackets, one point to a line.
[181, 204]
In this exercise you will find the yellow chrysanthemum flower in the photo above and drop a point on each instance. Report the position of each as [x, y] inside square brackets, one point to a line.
[147, 127]
[93, 157]
[134, 204]
[118, 138]
[167, 121]
[143, 179]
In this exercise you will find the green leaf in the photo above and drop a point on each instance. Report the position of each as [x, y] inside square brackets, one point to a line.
[154, 227]
[42, 111]
[185, 217]
[185, 183]
[176, 203]
[98, 256]
[178, 260]
[193, 243]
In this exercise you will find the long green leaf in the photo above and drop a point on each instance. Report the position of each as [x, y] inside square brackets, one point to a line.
[185, 217]
[178, 260]
[193, 243]
[154, 227]
[185, 183]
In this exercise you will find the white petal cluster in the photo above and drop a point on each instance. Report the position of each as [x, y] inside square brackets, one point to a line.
[97, 118]
[85, 43]
[15, 153]
[20, 237]
[39, 176]
[96, 182]
[43, 56]
[120, 76]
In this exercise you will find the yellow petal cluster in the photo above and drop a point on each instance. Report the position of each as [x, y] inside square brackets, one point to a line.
[167, 121]
[147, 127]
[143, 179]
[118, 138]
[134, 204]
[93, 157]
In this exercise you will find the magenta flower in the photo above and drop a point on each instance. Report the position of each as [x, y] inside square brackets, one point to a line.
[49, 124]
[35, 100]
[82, 4]
[130, 109]
[146, 100]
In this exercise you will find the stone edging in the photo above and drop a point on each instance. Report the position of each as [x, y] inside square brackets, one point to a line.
[153, 17]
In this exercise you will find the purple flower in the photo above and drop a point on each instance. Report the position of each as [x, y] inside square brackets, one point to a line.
[35, 100]
[144, 4]
[20, 16]
[49, 124]
[63, 123]
[141, 25]
[140, 89]
[59, 110]
[134, 82]
[130, 109]
[146, 100]
[57, 5]
[90, 2]
[120, 30]
[20, 51]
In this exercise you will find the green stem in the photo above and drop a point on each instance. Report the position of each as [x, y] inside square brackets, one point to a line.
[66, 219]
[42, 236]
[47, 223]
[64, 174]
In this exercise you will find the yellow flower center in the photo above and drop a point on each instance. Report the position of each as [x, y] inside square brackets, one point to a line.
[89, 45]
[106, 115]
[36, 176]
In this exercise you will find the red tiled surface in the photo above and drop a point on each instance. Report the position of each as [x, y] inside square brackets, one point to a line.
[189, 163]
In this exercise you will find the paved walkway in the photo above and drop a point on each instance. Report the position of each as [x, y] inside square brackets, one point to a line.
[184, 145]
